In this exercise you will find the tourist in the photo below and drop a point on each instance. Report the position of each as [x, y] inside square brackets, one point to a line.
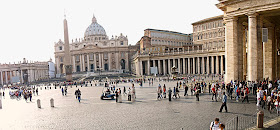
[264, 100]
[159, 92]
[169, 93]
[246, 92]
[62, 91]
[177, 92]
[224, 102]
[174, 93]
[186, 90]
[164, 91]
[215, 124]
[214, 94]
[65, 91]
[129, 94]
[30, 95]
[37, 91]
[3, 93]
[124, 90]
[79, 95]
[197, 93]
[222, 127]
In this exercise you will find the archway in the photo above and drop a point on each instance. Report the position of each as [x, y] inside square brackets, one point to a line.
[78, 68]
[106, 67]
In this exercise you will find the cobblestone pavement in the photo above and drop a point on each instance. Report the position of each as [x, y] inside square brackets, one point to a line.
[92, 113]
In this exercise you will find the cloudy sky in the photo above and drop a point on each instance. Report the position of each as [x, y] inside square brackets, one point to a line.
[29, 28]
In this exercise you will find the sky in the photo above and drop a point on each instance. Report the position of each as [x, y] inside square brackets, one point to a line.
[29, 28]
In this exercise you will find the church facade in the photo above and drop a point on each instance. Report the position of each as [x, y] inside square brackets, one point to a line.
[95, 51]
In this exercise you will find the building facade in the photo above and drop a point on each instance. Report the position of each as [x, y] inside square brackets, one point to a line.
[96, 51]
[252, 39]
[24, 72]
[201, 52]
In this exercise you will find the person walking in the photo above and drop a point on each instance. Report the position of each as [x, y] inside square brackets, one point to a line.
[62, 91]
[79, 95]
[246, 92]
[214, 93]
[197, 93]
[169, 93]
[37, 91]
[164, 91]
[224, 102]
[186, 90]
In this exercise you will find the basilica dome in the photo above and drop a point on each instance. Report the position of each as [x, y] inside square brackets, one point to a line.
[94, 29]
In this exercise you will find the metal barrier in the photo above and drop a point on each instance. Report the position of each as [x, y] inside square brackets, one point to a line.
[240, 122]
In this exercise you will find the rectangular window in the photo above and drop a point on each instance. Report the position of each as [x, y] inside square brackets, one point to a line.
[122, 55]
[60, 47]
[77, 58]
[121, 42]
[91, 56]
[61, 59]
[105, 55]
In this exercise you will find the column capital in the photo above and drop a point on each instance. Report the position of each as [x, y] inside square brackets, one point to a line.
[252, 14]
[230, 19]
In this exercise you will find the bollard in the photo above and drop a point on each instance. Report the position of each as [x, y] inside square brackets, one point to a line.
[52, 102]
[0, 103]
[38, 103]
[260, 119]
[120, 98]
[132, 97]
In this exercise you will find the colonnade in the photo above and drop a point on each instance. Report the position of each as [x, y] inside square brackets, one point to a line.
[33, 75]
[87, 63]
[186, 65]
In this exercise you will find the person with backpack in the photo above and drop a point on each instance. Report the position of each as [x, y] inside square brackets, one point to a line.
[215, 124]
[224, 101]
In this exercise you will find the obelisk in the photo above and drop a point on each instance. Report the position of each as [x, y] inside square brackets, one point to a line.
[67, 56]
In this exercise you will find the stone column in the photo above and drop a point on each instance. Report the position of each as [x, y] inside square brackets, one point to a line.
[207, 65]
[148, 67]
[164, 67]
[95, 63]
[198, 65]
[217, 65]
[179, 66]
[100, 61]
[212, 65]
[153, 63]
[159, 67]
[184, 66]
[109, 61]
[203, 66]
[81, 65]
[269, 58]
[11, 76]
[168, 67]
[6, 77]
[231, 47]
[189, 66]
[21, 76]
[252, 47]
[222, 64]
[194, 65]
[174, 63]
[141, 67]
[88, 67]
[74, 64]
[1, 75]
